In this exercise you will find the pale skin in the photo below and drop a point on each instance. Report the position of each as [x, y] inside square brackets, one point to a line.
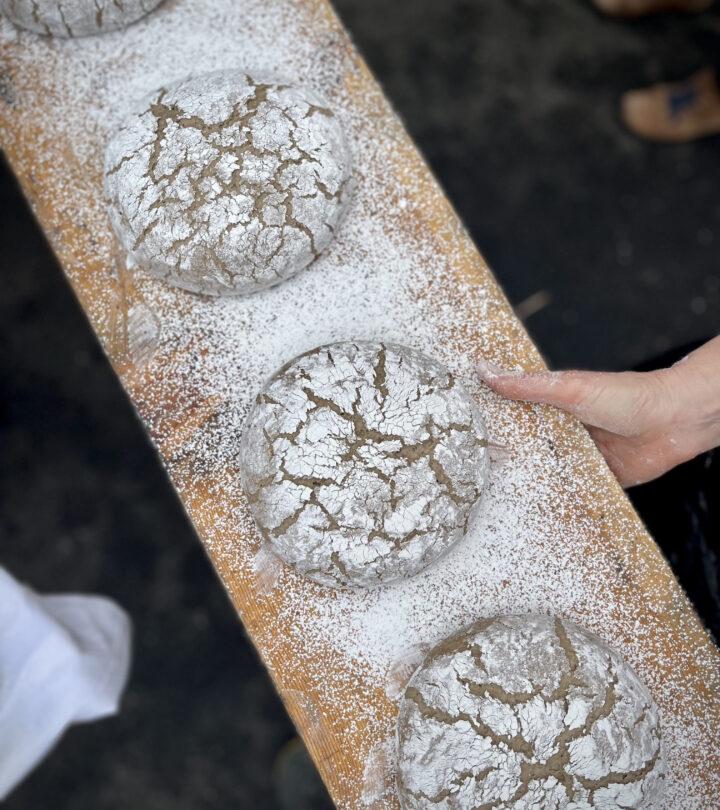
[644, 423]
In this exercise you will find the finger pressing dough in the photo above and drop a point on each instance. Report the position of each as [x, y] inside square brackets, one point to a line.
[528, 713]
[363, 462]
[75, 18]
[227, 183]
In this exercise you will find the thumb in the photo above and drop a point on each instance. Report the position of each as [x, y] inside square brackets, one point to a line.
[615, 402]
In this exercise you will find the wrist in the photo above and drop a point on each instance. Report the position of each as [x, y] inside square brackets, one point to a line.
[693, 386]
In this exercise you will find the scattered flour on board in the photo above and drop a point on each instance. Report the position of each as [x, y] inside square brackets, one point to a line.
[384, 278]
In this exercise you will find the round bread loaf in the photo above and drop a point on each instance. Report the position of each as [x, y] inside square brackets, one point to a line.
[227, 183]
[528, 713]
[75, 18]
[363, 462]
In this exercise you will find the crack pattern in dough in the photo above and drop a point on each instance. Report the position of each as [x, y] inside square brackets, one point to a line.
[528, 713]
[363, 462]
[226, 183]
[75, 18]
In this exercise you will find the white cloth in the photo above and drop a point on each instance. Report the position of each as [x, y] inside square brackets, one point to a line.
[63, 660]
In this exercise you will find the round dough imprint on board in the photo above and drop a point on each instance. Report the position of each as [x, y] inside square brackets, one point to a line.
[75, 18]
[227, 183]
[363, 462]
[528, 713]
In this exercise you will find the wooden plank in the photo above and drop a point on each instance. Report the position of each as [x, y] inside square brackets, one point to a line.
[557, 533]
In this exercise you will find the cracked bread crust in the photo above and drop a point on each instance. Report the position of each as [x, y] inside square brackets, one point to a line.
[225, 183]
[75, 18]
[363, 462]
[528, 713]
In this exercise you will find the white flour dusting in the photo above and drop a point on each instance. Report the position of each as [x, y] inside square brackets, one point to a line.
[75, 18]
[552, 536]
[363, 462]
[227, 183]
[528, 713]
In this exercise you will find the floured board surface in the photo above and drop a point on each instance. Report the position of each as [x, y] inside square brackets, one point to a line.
[555, 533]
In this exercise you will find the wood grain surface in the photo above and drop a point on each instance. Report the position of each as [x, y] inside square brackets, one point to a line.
[55, 141]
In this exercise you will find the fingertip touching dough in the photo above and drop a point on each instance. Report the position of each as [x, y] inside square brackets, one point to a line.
[363, 462]
[75, 18]
[528, 713]
[226, 183]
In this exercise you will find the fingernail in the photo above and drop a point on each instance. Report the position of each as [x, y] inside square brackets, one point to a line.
[490, 371]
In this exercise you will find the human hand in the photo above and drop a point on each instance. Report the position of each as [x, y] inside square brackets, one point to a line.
[644, 423]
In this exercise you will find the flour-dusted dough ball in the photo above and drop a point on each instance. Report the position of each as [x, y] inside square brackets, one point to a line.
[75, 18]
[363, 462]
[528, 713]
[227, 183]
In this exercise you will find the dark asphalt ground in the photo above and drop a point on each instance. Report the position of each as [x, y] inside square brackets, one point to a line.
[514, 103]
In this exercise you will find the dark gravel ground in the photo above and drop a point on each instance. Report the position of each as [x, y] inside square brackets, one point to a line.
[514, 102]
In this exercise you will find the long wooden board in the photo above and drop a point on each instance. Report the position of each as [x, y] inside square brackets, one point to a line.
[557, 533]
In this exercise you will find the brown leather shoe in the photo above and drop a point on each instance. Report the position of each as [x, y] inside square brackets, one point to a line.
[640, 8]
[675, 112]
